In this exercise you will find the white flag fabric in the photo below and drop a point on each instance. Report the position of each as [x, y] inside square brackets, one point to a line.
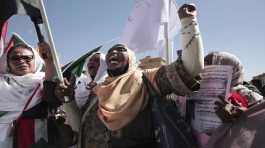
[3, 37]
[1, 46]
[145, 27]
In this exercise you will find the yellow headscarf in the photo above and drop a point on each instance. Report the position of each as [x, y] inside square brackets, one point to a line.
[122, 97]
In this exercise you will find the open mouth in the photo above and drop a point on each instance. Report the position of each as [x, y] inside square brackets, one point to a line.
[22, 68]
[113, 59]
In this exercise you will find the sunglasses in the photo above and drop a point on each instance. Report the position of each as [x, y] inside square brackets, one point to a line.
[26, 58]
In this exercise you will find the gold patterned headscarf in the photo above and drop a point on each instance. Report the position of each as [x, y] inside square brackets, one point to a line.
[122, 97]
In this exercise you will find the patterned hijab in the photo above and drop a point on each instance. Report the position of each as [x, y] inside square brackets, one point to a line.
[225, 58]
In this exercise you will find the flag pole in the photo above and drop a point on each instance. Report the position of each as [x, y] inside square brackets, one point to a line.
[37, 22]
[50, 38]
[3, 36]
[53, 49]
[169, 54]
[167, 45]
[38, 30]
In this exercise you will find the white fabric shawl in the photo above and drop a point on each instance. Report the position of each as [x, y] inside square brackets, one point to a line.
[15, 92]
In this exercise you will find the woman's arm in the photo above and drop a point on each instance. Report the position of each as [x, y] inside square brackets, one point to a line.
[180, 76]
[48, 84]
[55, 92]
[192, 54]
[45, 53]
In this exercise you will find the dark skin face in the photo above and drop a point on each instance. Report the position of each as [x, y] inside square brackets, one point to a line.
[93, 65]
[21, 61]
[117, 58]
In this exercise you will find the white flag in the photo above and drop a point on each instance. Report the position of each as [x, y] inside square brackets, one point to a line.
[145, 27]
[3, 36]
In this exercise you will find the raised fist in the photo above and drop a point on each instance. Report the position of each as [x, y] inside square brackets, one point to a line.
[45, 52]
[187, 10]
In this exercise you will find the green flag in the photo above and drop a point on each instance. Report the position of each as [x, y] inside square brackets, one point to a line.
[3, 113]
[76, 67]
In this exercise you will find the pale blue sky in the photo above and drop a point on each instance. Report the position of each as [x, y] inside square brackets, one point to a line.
[236, 26]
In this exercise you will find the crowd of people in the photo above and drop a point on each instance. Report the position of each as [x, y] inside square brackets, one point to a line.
[116, 100]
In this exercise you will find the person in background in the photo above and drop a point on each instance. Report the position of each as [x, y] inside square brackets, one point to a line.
[242, 95]
[241, 112]
[92, 133]
[259, 84]
[95, 71]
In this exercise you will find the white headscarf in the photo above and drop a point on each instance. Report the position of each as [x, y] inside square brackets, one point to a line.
[37, 59]
[16, 91]
[81, 91]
